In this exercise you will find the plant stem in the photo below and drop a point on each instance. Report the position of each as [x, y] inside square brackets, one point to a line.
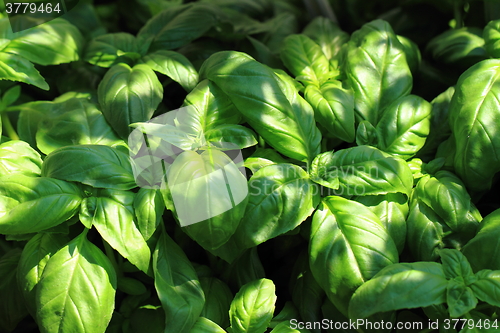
[11, 132]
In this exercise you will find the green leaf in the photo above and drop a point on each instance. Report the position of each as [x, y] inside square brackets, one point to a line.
[29, 204]
[77, 289]
[72, 122]
[177, 26]
[204, 325]
[253, 306]
[458, 46]
[334, 108]
[17, 157]
[35, 256]
[404, 126]
[174, 65]
[474, 109]
[479, 249]
[364, 170]
[392, 210]
[305, 60]
[285, 327]
[129, 95]
[412, 52]
[148, 207]
[218, 299]
[177, 286]
[104, 50]
[51, 43]
[491, 35]
[277, 112]
[456, 266]
[16, 68]
[241, 136]
[349, 245]
[281, 197]
[366, 134]
[377, 70]
[209, 193]
[11, 96]
[246, 268]
[12, 308]
[111, 213]
[94, 165]
[487, 286]
[327, 34]
[460, 299]
[263, 157]
[400, 286]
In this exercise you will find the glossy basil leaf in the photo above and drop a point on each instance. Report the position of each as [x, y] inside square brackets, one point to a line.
[413, 56]
[77, 289]
[148, 207]
[75, 121]
[210, 195]
[174, 65]
[333, 108]
[17, 68]
[17, 157]
[218, 299]
[348, 246]
[327, 35]
[460, 299]
[366, 134]
[12, 308]
[487, 286]
[111, 212]
[473, 112]
[404, 126]
[104, 50]
[440, 125]
[51, 43]
[33, 259]
[478, 249]
[129, 95]
[400, 286]
[321, 173]
[241, 136]
[491, 35]
[392, 210]
[288, 327]
[277, 112]
[177, 26]
[458, 46]
[456, 265]
[365, 170]
[281, 196]
[377, 80]
[263, 157]
[29, 204]
[305, 59]
[177, 286]
[204, 325]
[448, 198]
[253, 306]
[94, 165]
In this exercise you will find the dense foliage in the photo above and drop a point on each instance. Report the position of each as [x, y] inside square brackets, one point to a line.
[369, 136]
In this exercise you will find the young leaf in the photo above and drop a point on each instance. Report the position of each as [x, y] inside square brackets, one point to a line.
[348, 246]
[376, 69]
[29, 204]
[174, 65]
[104, 50]
[148, 208]
[253, 306]
[16, 68]
[366, 134]
[77, 289]
[281, 196]
[491, 36]
[129, 95]
[459, 298]
[400, 286]
[94, 165]
[327, 34]
[218, 299]
[456, 265]
[112, 214]
[177, 286]
[17, 157]
[404, 126]
[487, 286]
[239, 135]
[276, 112]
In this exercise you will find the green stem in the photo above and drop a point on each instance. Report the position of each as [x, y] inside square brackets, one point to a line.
[457, 13]
[11, 132]
[262, 142]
